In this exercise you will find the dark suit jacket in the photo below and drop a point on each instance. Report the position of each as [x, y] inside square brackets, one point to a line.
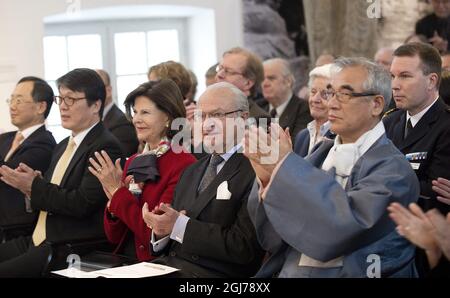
[301, 143]
[431, 135]
[219, 240]
[36, 152]
[122, 129]
[296, 116]
[75, 208]
[256, 111]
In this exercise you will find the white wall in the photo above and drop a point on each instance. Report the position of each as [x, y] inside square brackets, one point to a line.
[22, 30]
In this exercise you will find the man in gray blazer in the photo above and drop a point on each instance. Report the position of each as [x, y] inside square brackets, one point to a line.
[325, 216]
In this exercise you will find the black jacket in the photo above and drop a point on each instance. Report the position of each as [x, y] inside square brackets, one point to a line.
[36, 152]
[430, 138]
[220, 240]
[75, 208]
[122, 129]
[296, 115]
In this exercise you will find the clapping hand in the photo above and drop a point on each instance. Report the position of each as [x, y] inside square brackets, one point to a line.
[108, 173]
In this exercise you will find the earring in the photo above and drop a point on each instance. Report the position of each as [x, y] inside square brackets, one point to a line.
[167, 124]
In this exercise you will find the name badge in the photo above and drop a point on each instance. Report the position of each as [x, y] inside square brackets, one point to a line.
[415, 165]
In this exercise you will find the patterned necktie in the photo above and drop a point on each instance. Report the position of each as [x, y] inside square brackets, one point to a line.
[408, 128]
[210, 173]
[39, 233]
[15, 144]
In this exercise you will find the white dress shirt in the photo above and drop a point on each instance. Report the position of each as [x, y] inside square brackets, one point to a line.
[179, 227]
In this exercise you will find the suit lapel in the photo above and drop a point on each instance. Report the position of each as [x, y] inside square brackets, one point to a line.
[110, 117]
[398, 130]
[189, 193]
[31, 138]
[82, 148]
[6, 144]
[421, 128]
[317, 157]
[230, 169]
[289, 111]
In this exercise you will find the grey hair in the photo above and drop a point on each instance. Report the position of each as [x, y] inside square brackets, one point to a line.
[323, 71]
[239, 96]
[378, 80]
[285, 67]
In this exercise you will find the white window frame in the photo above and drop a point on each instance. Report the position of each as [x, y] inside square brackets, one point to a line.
[107, 28]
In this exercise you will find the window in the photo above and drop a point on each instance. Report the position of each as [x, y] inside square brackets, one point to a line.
[124, 48]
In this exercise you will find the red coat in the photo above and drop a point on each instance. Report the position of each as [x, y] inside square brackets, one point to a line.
[128, 209]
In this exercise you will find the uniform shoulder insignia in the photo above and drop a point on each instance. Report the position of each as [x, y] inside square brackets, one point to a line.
[390, 112]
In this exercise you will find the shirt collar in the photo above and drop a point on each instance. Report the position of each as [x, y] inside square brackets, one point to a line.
[226, 156]
[280, 109]
[416, 118]
[81, 135]
[323, 128]
[28, 131]
[365, 141]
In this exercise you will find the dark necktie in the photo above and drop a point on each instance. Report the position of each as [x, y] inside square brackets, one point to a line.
[408, 127]
[210, 173]
[273, 113]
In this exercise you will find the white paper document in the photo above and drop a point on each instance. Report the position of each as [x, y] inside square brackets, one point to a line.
[132, 271]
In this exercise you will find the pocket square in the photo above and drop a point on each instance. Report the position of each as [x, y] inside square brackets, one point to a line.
[222, 191]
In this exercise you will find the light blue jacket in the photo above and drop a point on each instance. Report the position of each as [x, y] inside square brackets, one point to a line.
[307, 211]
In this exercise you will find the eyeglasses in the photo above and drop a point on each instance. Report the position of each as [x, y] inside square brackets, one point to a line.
[69, 101]
[344, 97]
[16, 101]
[199, 115]
[322, 93]
[227, 71]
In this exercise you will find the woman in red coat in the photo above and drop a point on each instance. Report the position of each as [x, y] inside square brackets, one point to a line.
[149, 177]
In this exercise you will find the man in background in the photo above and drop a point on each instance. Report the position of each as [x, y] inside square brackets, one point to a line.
[116, 121]
[281, 102]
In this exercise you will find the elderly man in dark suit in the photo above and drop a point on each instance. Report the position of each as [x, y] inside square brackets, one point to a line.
[32, 143]
[208, 232]
[116, 121]
[281, 103]
[70, 200]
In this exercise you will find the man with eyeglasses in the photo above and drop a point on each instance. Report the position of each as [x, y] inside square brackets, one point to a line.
[420, 128]
[207, 232]
[70, 200]
[32, 143]
[244, 70]
[325, 215]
